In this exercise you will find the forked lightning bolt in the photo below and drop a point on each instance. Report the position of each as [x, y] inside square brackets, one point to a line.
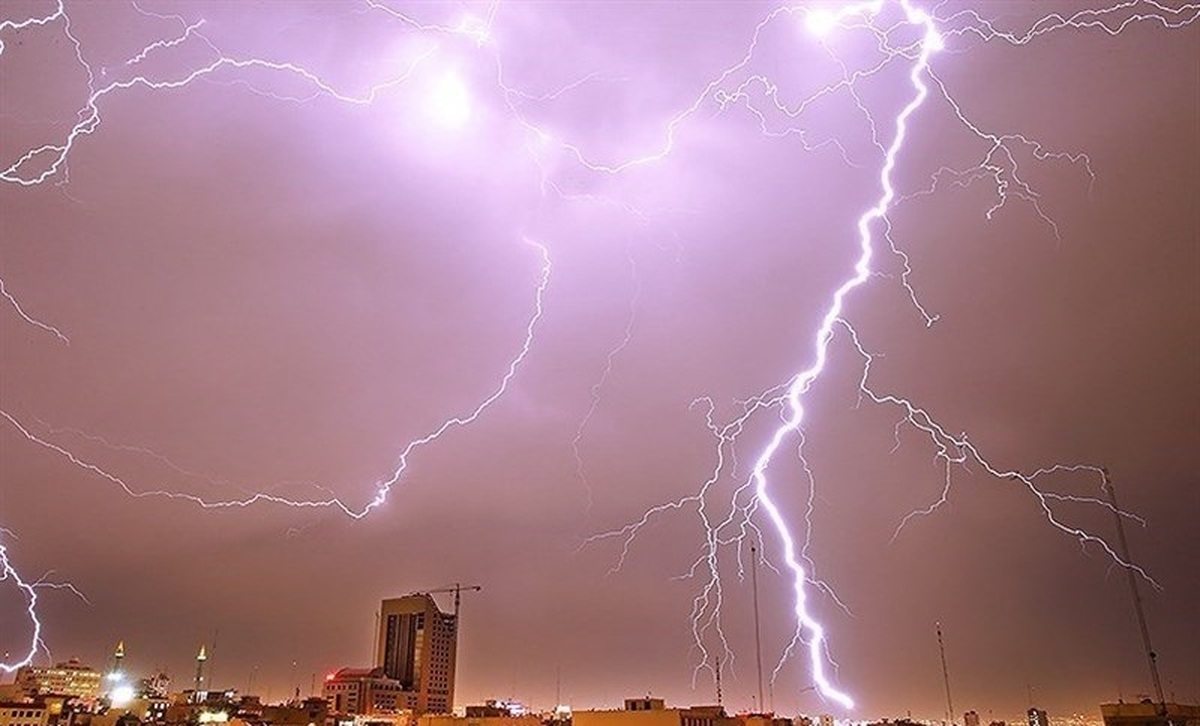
[9, 574]
[911, 36]
[999, 165]
[29, 593]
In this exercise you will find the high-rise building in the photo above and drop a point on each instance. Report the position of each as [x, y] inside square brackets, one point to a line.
[1037, 717]
[971, 718]
[416, 646]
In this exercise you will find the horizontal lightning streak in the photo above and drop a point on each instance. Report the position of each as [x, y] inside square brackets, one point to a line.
[383, 488]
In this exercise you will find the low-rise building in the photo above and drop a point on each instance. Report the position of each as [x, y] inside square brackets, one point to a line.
[762, 719]
[1148, 713]
[70, 678]
[147, 709]
[309, 712]
[653, 712]
[445, 719]
[366, 692]
[23, 713]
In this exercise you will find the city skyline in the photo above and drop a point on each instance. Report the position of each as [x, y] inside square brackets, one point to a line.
[72, 689]
[332, 303]
[100, 680]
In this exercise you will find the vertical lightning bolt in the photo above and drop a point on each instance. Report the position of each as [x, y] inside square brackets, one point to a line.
[29, 592]
[9, 574]
[801, 383]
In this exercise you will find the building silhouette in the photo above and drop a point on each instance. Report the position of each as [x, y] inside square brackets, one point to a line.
[417, 646]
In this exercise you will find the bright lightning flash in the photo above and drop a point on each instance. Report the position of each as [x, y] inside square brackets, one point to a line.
[448, 103]
[801, 383]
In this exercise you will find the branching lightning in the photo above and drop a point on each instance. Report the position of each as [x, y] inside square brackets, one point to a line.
[29, 592]
[999, 165]
[8, 573]
[752, 504]
[383, 488]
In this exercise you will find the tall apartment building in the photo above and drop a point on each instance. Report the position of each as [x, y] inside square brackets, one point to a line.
[416, 646]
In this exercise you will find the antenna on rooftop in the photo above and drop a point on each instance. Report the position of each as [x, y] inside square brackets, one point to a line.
[757, 631]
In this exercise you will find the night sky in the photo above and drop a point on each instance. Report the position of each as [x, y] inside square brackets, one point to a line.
[282, 269]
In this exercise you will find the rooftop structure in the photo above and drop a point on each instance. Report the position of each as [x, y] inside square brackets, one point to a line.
[1148, 713]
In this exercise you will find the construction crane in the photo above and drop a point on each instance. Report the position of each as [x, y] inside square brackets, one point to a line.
[456, 589]
[1151, 656]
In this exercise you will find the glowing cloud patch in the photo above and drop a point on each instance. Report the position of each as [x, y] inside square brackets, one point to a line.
[820, 22]
[448, 102]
